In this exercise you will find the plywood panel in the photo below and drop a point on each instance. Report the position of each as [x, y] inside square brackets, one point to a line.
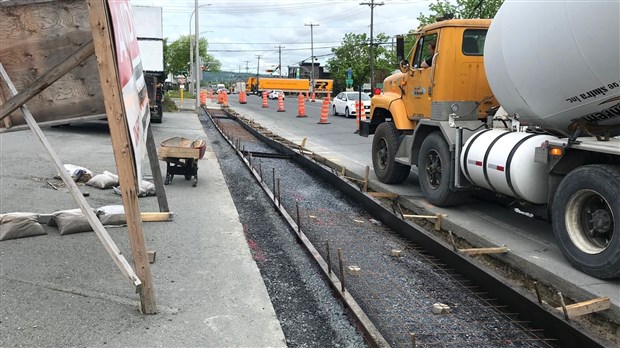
[34, 37]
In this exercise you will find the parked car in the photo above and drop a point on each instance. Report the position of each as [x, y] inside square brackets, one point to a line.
[275, 94]
[344, 103]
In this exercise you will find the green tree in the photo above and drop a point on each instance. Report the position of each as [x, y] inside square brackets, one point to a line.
[353, 53]
[176, 56]
[461, 9]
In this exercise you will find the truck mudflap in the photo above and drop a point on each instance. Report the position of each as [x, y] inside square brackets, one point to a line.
[364, 128]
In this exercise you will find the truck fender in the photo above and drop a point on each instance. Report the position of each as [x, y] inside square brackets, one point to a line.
[390, 105]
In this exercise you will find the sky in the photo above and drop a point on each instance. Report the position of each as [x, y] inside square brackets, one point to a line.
[239, 30]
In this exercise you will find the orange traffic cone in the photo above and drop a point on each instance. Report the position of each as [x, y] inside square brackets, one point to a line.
[220, 98]
[302, 106]
[324, 109]
[313, 96]
[362, 111]
[280, 103]
[224, 98]
[243, 98]
[358, 112]
[203, 98]
[265, 103]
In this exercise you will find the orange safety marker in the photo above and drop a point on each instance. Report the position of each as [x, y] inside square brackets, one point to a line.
[243, 98]
[265, 103]
[280, 103]
[324, 109]
[224, 98]
[219, 97]
[313, 97]
[203, 97]
[302, 106]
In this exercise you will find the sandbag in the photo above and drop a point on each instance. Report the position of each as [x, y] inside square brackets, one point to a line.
[70, 221]
[111, 215]
[20, 225]
[103, 181]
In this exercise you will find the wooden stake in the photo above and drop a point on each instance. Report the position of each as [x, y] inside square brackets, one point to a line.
[389, 195]
[437, 222]
[298, 218]
[563, 306]
[537, 293]
[452, 241]
[480, 251]
[329, 260]
[160, 191]
[412, 340]
[152, 255]
[303, 143]
[278, 189]
[585, 307]
[341, 270]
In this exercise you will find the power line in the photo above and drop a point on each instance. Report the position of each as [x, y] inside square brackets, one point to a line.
[372, 5]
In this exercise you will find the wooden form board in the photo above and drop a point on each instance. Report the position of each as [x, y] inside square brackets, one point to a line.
[35, 36]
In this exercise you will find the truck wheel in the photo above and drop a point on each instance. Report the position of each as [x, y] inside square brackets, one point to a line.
[434, 172]
[585, 213]
[384, 146]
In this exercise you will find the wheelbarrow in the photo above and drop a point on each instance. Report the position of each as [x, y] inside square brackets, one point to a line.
[181, 156]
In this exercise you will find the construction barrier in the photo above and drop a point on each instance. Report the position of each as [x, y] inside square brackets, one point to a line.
[265, 103]
[220, 97]
[243, 98]
[280, 103]
[224, 98]
[203, 97]
[324, 111]
[302, 105]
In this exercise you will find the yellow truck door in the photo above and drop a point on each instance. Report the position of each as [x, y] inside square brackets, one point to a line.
[418, 85]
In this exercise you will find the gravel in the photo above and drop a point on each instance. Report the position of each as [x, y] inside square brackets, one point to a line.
[309, 313]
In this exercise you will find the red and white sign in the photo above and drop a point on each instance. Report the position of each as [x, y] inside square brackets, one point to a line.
[135, 97]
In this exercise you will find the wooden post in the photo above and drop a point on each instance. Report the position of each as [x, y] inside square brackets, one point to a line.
[329, 260]
[162, 200]
[7, 120]
[112, 90]
[341, 270]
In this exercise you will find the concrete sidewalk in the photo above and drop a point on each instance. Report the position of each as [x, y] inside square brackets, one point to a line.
[66, 291]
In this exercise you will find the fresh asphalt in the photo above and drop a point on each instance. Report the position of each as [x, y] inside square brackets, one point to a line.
[66, 290]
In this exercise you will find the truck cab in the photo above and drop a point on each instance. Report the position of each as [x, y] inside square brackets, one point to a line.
[455, 79]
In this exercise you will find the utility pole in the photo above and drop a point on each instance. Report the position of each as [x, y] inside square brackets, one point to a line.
[372, 5]
[246, 67]
[198, 63]
[280, 47]
[312, 25]
[257, 70]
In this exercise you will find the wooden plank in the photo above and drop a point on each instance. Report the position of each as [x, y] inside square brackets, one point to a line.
[384, 195]
[480, 251]
[587, 307]
[47, 79]
[75, 192]
[422, 216]
[123, 154]
[152, 255]
[157, 217]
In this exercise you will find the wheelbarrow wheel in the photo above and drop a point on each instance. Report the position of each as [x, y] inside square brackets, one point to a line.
[195, 181]
[168, 179]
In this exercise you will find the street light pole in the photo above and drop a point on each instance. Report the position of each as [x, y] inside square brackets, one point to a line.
[312, 25]
[191, 46]
[372, 44]
[198, 77]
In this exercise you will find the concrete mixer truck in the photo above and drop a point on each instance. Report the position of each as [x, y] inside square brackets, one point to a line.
[526, 105]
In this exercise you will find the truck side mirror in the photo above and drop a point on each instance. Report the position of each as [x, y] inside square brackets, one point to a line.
[403, 66]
